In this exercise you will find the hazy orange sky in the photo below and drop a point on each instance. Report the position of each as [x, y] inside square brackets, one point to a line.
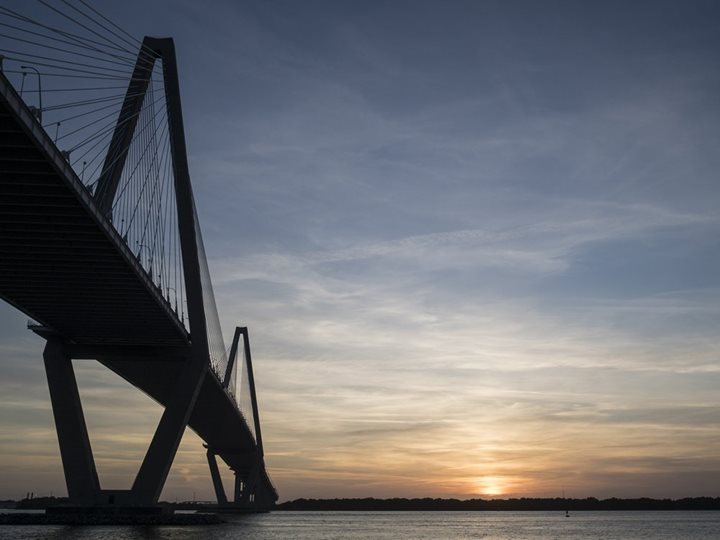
[475, 243]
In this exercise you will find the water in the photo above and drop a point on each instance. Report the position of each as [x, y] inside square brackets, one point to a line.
[411, 526]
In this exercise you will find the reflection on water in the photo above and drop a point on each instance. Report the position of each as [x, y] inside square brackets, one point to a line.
[410, 525]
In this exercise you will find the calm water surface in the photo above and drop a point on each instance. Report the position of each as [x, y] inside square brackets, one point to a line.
[411, 526]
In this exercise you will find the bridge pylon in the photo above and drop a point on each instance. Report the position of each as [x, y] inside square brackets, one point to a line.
[252, 488]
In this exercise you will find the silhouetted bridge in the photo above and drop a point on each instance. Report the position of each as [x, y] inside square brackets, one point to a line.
[100, 245]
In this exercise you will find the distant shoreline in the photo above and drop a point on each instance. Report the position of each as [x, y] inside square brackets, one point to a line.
[428, 504]
[521, 504]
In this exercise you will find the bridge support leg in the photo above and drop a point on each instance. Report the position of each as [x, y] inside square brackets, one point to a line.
[78, 463]
[245, 487]
[217, 481]
[155, 467]
[239, 486]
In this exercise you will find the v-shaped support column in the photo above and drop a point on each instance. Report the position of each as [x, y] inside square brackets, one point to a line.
[216, 478]
[78, 463]
[155, 467]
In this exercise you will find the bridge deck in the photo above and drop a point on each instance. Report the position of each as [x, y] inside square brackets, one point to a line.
[215, 417]
[61, 262]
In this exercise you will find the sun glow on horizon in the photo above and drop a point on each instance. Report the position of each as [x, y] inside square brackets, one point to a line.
[490, 485]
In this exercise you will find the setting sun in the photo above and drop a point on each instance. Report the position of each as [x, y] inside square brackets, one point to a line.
[490, 485]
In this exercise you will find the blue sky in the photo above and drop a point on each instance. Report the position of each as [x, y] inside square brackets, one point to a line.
[476, 244]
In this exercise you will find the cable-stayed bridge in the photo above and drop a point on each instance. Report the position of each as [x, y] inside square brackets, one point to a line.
[100, 245]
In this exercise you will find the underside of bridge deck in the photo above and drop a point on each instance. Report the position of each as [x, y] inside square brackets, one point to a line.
[61, 263]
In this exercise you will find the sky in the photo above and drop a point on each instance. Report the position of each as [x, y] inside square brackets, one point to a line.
[476, 244]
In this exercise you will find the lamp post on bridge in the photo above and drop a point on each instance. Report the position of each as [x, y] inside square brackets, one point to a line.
[168, 296]
[37, 72]
[150, 255]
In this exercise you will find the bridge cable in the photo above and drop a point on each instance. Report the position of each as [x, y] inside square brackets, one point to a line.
[74, 37]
